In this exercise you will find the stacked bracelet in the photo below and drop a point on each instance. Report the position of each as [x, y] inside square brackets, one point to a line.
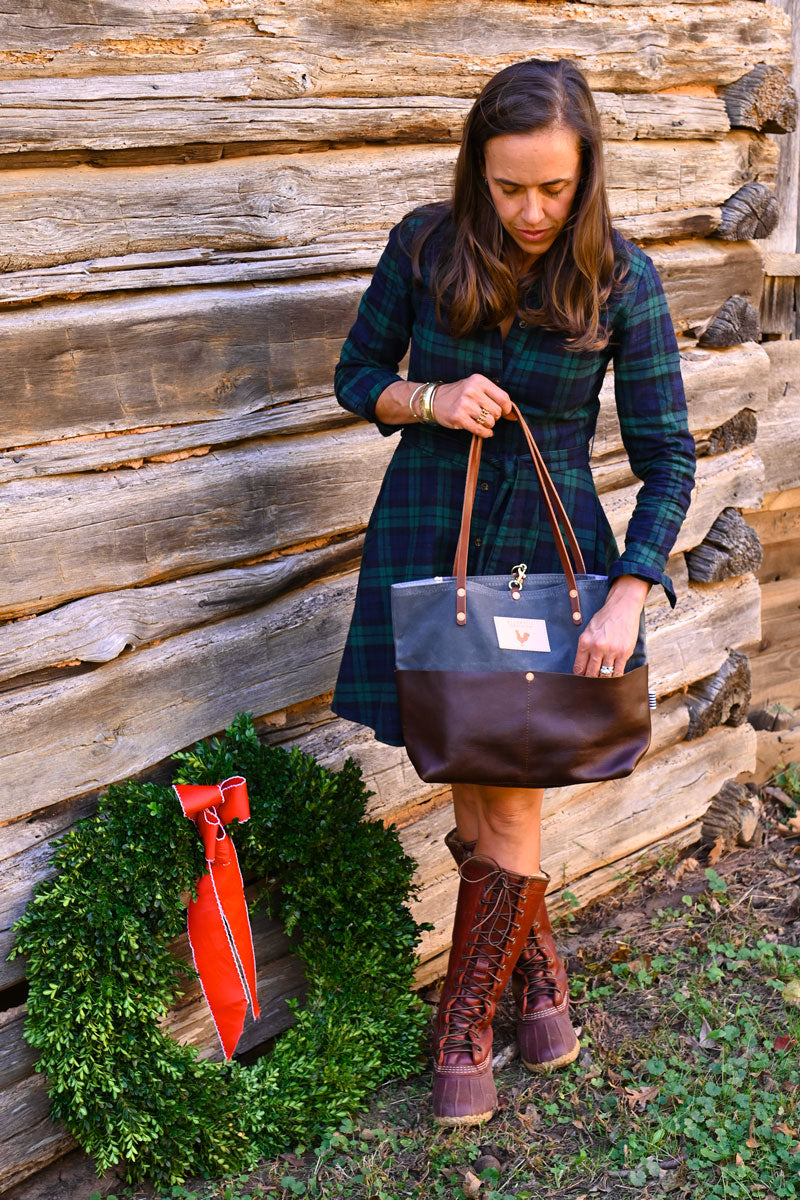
[417, 416]
[426, 403]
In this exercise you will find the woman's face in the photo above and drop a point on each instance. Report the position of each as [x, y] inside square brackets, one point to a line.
[532, 180]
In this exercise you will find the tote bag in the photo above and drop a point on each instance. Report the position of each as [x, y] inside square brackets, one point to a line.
[483, 667]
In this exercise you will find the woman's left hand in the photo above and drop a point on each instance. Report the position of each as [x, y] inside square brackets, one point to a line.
[610, 637]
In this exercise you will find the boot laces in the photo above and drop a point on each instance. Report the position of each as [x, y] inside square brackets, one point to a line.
[534, 966]
[471, 1002]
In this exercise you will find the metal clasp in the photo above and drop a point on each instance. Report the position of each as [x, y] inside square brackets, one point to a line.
[518, 574]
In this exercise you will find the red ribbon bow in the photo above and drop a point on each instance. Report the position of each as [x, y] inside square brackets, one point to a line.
[218, 923]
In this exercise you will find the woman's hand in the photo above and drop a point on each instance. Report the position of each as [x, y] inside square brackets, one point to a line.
[459, 405]
[610, 637]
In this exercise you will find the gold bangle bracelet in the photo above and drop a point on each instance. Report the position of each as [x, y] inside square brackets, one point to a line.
[425, 403]
[419, 388]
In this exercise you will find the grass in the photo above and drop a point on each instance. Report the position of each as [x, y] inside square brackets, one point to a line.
[688, 1081]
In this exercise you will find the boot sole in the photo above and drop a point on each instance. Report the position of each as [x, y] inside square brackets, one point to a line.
[552, 1063]
[476, 1119]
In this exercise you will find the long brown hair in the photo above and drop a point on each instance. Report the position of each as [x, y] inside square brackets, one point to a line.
[471, 279]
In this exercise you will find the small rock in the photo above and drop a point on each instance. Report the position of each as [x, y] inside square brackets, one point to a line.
[485, 1161]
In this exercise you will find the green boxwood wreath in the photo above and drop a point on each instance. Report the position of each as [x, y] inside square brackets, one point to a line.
[101, 973]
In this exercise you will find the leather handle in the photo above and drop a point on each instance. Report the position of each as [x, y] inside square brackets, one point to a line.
[555, 512]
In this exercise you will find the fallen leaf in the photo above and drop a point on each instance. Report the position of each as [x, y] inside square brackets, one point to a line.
[635, 1096]
[794, 823]
[784, 1041]
[687, 864]
[470, 1184]
[784, 1128]
[717, 850]
[739, 1159]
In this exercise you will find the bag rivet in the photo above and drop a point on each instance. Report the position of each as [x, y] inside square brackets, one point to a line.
[461, 618]
[461, 591]
[515, 595]
[576, 617]
[573, 593]
[529, 676]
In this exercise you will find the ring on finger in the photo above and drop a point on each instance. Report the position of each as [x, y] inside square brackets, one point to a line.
[481, 419]
[606, 669]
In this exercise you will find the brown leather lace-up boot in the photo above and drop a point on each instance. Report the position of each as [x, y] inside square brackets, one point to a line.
[544, 1030]
[493, 916]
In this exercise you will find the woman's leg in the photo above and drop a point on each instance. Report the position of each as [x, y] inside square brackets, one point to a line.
[506, 822]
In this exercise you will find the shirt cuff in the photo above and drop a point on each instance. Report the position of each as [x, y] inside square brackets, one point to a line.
[382, 379]
[624, 566]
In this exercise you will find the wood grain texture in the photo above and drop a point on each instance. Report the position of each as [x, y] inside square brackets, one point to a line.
[99, 628]
[778, 436]
[172, 519]
[123, 112]
[731, 480]
[264, 200]
[232, 353]
[418, 48]
[60, 739]
[718, 383]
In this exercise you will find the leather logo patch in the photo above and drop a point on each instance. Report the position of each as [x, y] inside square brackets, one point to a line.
[524, 633]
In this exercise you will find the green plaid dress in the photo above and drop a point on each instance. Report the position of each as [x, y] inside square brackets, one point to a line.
[414, 526]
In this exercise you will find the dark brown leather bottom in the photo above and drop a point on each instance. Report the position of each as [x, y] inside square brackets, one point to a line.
[523, 728]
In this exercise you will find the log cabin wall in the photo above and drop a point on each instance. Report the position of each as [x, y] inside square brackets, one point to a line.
[192, 200]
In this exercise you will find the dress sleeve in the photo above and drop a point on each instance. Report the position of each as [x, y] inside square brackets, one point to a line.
[379, 337]
[653, 418]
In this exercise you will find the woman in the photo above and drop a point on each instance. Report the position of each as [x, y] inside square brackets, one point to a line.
[518, 289]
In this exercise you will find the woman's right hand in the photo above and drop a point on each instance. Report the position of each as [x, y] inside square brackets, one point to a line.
[458, 405]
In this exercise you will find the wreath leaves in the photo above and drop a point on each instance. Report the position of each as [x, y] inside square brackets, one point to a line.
[101, 975]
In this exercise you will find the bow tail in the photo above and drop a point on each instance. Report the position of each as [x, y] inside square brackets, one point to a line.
[222, 949]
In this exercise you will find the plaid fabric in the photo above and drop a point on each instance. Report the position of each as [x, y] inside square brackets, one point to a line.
[413, 530]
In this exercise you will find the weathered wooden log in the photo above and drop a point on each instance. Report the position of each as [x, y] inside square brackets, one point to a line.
[779, 305]
[777, 524]
[776, 666]
[740, 430]
[420, 48]
[199, 266]
[720, 699]
[778, 438]
[128, 112]
[99, 628]
[751, 212]
[729, 548]
[120, 717]
[693, 640]
[733, 479]
[272, 344]
[736, 322]
[762, 99]
[717, 387]
[733, 815]
[164, 521]
[28, 1138]
[264, 200]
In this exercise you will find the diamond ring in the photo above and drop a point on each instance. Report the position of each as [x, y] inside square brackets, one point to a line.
[606, 670]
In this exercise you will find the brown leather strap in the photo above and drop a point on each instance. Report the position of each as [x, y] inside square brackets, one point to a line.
[555, 512]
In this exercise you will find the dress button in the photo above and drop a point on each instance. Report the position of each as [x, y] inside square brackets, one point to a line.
[477, 541]
[484, 486]
[523, 324]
